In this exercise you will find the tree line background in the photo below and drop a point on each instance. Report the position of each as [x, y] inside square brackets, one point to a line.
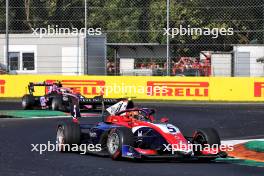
[142, 21]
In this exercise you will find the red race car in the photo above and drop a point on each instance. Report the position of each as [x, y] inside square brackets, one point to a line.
[129, 132]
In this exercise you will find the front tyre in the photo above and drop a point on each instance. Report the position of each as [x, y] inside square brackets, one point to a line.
[118, 137]
[68, 134]
[206, 137]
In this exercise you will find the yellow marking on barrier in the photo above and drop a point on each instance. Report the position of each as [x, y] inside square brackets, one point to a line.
[144, 87]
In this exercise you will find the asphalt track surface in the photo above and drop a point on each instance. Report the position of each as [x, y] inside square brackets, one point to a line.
[232, 122]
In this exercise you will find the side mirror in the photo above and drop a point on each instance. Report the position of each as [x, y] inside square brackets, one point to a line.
[164, 120]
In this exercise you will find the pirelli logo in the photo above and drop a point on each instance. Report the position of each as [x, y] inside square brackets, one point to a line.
[2, 86]
[85, 87]
[258, 89]
[178, 89]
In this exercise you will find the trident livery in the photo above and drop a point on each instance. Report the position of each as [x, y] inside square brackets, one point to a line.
[129, 132]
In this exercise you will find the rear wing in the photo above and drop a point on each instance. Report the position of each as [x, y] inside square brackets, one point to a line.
[31, 85]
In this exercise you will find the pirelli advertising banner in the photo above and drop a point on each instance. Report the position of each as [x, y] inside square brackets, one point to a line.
[140, 87]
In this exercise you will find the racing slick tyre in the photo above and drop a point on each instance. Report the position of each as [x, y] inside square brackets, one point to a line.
[118, 137]
[56, 103]
[206, 136]
[68, 134]
[28, 101]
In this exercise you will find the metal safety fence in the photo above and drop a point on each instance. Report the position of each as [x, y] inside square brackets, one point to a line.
[140, 37]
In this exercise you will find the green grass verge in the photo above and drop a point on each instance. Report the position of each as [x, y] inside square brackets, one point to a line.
[257, 146]
[241, 162]
[30, 113]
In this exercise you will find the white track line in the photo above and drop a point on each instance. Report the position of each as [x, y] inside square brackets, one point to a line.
[234, 142]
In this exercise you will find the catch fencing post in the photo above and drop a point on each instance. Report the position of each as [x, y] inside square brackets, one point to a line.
[168, 39]
[85, 39]
[7, 36]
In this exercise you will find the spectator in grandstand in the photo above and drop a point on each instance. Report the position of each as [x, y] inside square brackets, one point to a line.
[142, 66]
[196, 64]
[197, 67]
[188, 67]
[188, 64]
[207, 67]
[148, 66]
[177, 69]
[207, 64]
[153, 66]
[110, 67]
[165, 65]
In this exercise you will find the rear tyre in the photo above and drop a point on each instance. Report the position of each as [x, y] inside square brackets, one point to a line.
[67, 135]
[56, 104]
[206, 137]
[118, 137]
[28, 101]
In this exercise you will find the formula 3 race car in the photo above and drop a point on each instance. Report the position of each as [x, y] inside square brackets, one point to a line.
[129, 132]
[57, 97]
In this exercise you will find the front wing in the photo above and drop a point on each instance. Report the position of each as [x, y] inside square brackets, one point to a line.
[135, 153]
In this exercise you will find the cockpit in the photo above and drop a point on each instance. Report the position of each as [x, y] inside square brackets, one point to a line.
[138, 114]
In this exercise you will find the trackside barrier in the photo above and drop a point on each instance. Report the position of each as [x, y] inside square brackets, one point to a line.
[140, 87]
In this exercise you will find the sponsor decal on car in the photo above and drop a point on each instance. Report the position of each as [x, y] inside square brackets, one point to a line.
[258, 86]
[85, 87]
[2, 86]
[177, 89]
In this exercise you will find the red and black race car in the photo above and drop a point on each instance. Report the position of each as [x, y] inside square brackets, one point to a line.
[57, 97]
[129, 132]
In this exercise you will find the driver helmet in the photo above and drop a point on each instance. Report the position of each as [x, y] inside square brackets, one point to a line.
[132, 114]
[136, 115]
